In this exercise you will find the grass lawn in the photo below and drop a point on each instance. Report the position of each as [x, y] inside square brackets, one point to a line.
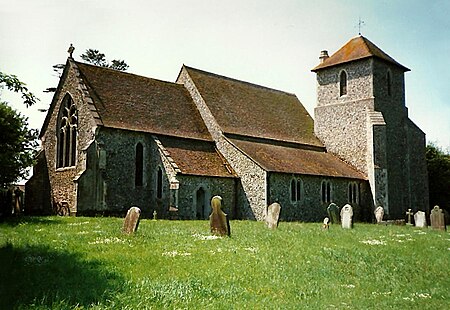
[67, 263]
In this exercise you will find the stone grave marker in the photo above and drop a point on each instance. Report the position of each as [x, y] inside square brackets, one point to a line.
[346, 216]
[420, 220]
[437, 218]
[333, 213]
[273, 215]
[409, 214]
[131, 222]
[379, 213]
[218, 220]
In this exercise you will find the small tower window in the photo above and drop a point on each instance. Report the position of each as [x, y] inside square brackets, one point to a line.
[343, 83]
[389, 83]
[67, 133]
[326, 191]
[139, 173]
[159, 183]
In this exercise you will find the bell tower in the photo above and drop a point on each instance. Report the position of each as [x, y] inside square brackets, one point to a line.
[361, 117]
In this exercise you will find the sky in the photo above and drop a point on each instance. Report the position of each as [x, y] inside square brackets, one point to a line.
[266, 42]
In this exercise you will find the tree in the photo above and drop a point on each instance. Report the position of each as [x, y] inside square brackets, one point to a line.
[96, 58]
[438, 163]
[17, 142]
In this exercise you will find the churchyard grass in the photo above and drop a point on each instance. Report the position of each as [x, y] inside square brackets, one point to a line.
[74, 263]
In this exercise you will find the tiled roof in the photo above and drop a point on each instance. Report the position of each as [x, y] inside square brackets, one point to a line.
[195, 157]
[133, 102]
[279, 158]
[355, 49]
[248, 109]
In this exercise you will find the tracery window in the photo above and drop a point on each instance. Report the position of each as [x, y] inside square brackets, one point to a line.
[67, 134]
[343, 83]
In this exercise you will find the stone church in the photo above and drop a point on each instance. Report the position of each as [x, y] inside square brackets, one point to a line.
[112, 140]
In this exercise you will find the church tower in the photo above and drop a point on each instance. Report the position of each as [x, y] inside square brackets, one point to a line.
[362, 118]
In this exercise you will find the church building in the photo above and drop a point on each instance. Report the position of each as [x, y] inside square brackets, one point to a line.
[112, 140]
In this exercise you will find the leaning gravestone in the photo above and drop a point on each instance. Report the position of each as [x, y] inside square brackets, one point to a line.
[437, 218]
[273, 215]
[131, 222]
[333, 213]
[346, 216]
[218, 220]
[420, 220]
[379, 213]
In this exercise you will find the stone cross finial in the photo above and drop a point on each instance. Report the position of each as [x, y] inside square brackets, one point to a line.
[70, 50]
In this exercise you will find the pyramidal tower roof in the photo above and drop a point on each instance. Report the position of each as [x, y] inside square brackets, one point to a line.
[357, 48]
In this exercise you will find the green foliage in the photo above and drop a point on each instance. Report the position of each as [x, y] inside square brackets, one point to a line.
[12, 83]
[17, 141]
[66, 263]
[96, 58]
[438, 163]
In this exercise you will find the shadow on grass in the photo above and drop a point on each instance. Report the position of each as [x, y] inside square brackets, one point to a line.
[18, 220]
[47, 278]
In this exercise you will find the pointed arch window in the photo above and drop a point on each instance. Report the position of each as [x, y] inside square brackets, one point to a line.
[353, 192]
[296, 190]
[139, 165]
[389, 82]
[343, 83]
[66, 151]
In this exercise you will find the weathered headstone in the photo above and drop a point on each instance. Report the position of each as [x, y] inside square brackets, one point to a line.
[273, 215]
[333, 213]
[409, 214]
[131, 222]
[218, 220]
[346, 216]
[326, 224]
[379, 213]
[420, 220]
[437, 218]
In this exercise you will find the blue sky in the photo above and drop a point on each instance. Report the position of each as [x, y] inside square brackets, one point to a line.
[272, 43]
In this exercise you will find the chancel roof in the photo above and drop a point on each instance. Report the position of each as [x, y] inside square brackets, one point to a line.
[357, 48]
[291, 159]
[247, 109]
[195, 157]
[133, 102]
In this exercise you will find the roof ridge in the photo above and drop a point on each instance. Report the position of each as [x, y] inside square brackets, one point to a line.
[239, 81]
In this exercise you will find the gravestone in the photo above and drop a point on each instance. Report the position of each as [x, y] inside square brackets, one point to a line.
[379, 213]
[409, 214]
[420, 220]
[131, 222]
[326, 224]
[437, 218]
[273, 215]
[346, 216]
[333, 213]
[218, 220]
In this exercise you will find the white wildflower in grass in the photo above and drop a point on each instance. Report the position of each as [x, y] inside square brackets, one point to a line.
[205, 237]
[251, 249]
[420, 232]
[381, 293]
[38, 230]
[408, 298]
[107, 241]
[348, 285]
[422, 295]
[373, 242]
[176, 253]
[82, 233]
[78, 224]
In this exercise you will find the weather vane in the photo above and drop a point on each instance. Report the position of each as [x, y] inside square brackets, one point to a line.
[361, 23]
